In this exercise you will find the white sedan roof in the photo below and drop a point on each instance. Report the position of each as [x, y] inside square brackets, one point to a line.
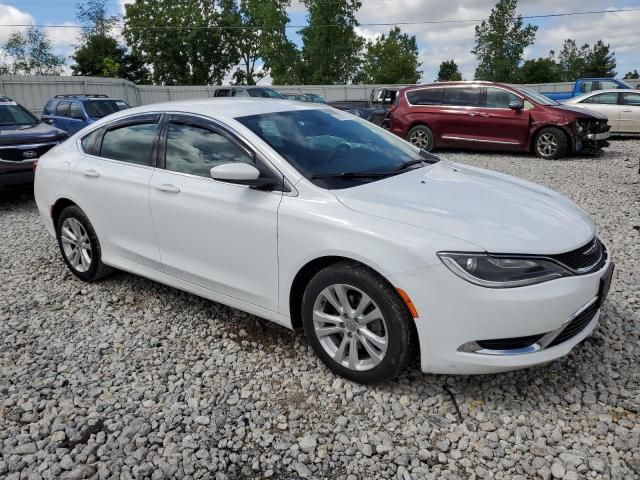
[225, 108]
[595, 92]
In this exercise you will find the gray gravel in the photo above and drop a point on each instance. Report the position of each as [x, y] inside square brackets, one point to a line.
[127, 378]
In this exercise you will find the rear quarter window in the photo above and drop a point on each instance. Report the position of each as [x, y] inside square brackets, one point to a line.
[426, 96]
[91, 143]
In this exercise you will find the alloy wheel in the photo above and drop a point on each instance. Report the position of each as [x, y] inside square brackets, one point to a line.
[547, 144]
[350, 327]
[76, 244]
[421, 139]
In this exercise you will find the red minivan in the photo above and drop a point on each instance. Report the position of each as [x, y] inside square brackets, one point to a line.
[494, 116]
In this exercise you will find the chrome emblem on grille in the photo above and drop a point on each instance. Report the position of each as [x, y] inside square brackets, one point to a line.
[29, 154]
[591, 249]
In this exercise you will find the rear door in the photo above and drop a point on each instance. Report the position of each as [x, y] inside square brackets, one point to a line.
[112, 181]
[497, 125]
[457, 119]
[61, 118]
[606, 103]
[630, 113]
[77, 119]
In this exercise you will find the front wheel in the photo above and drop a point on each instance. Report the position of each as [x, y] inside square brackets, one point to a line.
[357, 323]
[551, 143]
[421, 136]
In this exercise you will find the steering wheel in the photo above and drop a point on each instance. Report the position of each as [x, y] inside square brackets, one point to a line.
[341, 148]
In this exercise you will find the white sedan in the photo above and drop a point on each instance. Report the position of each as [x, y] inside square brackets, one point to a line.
[622, 108]
[313, 218]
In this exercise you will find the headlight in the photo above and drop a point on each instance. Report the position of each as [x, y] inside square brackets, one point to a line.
[502, 272]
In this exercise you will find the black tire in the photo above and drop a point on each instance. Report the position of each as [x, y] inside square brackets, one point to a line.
[95, 269]
[551, 143]
[421, 136]
[396, 320]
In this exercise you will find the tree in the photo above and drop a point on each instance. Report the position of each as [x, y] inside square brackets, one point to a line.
[601, 62]
[571, 60]
[632, 75]
[391, 59]
[184, 41]
[449, 72]
[542, 70]
[100, 54]
[500, 43]
[262, 42]
[31, 54]
[331, 47]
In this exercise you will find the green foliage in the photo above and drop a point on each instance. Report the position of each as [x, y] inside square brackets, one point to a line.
[632, 75]
[391, 59]
[31, 54]
[331, 47]
[261, 50]
[500, 43]
[449, 72]
[542, 70]
[100, 54]
[586, 61]
[184, 41]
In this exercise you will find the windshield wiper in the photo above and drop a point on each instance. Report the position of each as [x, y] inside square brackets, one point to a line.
[349, 175]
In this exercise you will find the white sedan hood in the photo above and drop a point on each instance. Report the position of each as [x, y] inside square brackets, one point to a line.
[498, 213]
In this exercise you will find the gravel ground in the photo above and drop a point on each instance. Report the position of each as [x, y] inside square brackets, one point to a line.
[127, 378]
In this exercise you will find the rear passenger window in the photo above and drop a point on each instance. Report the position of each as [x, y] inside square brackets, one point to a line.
[462, 96]
[90, 142]
[49, 108]
[499, 98]
[63, 109]
[130, 143]
[427, 96]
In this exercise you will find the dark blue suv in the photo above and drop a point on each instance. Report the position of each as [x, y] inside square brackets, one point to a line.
[72, 113]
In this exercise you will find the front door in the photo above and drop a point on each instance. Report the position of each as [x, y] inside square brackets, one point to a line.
[607, 104]
[217, 235]
[500, 126]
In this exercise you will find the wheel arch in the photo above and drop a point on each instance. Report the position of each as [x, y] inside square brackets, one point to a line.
[306, 273]
[563, 128]
[58, 207]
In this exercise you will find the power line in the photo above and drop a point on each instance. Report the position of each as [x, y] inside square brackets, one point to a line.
[380, 24]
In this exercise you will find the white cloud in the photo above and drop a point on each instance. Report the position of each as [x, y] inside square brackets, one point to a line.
[10, 15]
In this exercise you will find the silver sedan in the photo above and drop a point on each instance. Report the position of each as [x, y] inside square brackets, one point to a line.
[622, 106]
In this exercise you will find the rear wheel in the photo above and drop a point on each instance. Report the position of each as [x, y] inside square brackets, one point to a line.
[357, 324]
[421, 136]
[79, 245]
[551, 143]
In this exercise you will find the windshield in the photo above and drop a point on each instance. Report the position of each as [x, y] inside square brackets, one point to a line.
[332, 148]
[13, 114]
[102, 108]
[264, 92]
[537, 97]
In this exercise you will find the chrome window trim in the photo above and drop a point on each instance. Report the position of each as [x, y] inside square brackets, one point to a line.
[463, 106]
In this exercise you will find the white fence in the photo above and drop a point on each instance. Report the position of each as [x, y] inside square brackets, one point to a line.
[34, 91]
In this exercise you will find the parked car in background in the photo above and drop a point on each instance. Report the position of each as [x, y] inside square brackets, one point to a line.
[298, 97]
[494, 116]
[622, 108]
[23, 139]
[587, 85]
[314, 218]
[249, 91]
[73, 112]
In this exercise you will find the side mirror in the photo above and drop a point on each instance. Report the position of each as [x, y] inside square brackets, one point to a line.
[242, 174]
[515, 105]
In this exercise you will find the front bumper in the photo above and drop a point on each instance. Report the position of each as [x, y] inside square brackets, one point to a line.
[454, 313]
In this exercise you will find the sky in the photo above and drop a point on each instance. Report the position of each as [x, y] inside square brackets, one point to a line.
[437, 42]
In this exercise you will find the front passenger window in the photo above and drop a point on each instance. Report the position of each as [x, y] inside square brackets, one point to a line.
[195, 150]
[130, 143]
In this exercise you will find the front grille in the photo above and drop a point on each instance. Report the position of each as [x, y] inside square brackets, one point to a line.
[576, 325]
[509, 343]
[585, 258]
[16, 154]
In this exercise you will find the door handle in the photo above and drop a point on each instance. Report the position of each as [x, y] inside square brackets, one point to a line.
[486, 115]
[165, 187]
[91, 173]
[627, 110]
